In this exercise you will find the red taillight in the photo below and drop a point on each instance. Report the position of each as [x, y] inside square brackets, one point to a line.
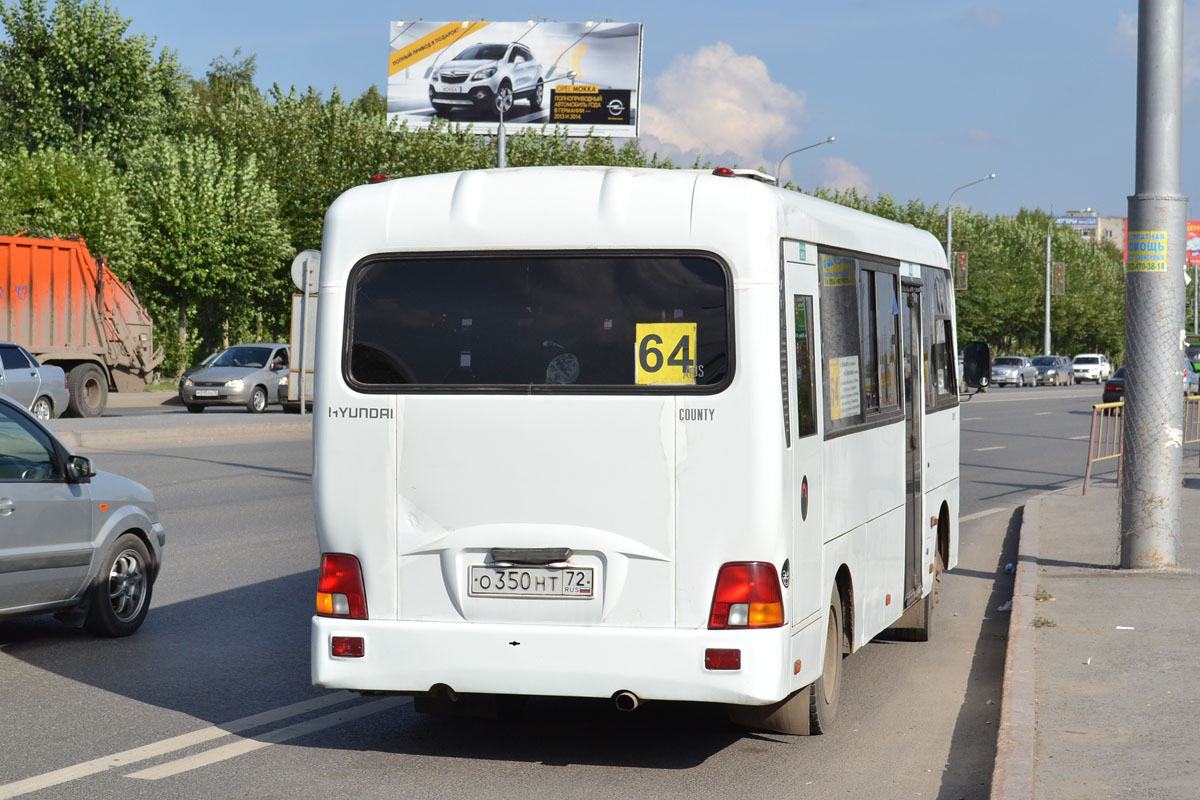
[340, 590]
[747, 596]
[1112, 387]
[724, 172]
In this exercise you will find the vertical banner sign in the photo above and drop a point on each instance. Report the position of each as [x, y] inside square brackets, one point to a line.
[1147, 251]
[1193, 243]
[581, 76]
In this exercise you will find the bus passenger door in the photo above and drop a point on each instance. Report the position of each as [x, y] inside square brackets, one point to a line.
[913, 532]
[800, 326]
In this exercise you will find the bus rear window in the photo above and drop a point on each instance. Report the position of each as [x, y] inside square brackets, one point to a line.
[556, 322]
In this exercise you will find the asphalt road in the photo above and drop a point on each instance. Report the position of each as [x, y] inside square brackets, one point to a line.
[212, 697]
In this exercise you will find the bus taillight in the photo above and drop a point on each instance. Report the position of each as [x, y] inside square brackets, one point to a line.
[747, 596]
[340, 590]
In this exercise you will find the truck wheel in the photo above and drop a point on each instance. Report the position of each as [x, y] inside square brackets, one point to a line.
[88, 390]
[258, 400]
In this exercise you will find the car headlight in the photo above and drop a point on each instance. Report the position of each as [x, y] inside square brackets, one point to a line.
[1051, 372]
[186, 382]
[236, 384]
[283, 381]
[484, 74]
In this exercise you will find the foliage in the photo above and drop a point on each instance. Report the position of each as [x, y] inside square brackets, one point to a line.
[210, 246]
[66, 193]
[73, 77]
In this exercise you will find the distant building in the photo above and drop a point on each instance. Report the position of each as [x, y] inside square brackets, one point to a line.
[1092, 227]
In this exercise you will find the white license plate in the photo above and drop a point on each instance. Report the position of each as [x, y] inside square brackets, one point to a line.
[568, 582]
[449, 89]
[206, 393]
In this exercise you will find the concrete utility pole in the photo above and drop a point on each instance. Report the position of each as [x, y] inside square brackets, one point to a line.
[1046, 336]
[1154, 296]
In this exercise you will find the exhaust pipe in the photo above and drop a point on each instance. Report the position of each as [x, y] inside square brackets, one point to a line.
[626, 700]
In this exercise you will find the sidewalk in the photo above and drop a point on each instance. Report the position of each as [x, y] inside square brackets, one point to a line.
[1102, 678]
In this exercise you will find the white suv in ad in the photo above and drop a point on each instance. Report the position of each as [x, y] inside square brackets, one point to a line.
[487, 76]
[1091, 367]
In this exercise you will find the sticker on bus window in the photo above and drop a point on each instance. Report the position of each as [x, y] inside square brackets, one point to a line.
[844, 387]
[666, 353]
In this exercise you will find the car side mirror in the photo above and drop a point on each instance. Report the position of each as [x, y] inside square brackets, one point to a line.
[80, 469]
[977, 365]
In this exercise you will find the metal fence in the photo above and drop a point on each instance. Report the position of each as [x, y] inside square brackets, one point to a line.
[1107, 423]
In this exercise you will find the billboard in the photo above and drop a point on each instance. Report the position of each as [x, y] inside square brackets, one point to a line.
[1193, 243]
[582, 76]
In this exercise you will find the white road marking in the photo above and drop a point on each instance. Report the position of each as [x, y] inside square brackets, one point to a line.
[244, 746]
[1085, 436]
[979, 514]
[1043, 413]
[972, 419]
[155, 749]
[985, 449]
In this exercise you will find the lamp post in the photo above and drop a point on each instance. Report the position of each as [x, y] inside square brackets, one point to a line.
[950, 215]
[779, 168]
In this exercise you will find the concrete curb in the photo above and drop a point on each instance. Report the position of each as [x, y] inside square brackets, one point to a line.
[1012, 776]
[133, 439]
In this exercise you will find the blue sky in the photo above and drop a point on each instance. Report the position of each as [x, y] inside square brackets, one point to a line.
[921, 96]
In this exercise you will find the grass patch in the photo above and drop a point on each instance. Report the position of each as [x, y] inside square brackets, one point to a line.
[1042, 622]
[161, 386]
[1042, 595]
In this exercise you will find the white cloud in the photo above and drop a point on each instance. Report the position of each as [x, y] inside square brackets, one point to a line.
[840, 174]
[988, 17]
[717, 105]
[1125, 40]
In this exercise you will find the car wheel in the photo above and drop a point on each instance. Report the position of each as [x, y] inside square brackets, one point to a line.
[193, 408]
[258, 400]
[536, 98]
[88, 390]
[42, 409]
[120, 596]
[504, 98]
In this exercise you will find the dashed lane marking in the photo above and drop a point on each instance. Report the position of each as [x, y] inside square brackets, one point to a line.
[985, 449]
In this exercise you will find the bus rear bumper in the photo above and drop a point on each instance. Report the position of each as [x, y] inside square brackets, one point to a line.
[553, 660]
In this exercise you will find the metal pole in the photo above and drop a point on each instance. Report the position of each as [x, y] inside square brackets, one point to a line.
[1195, 300]
[779, 168]
[303, 334]
[950, 215]
[1151, 472]
[1046, 334]
[501, 159]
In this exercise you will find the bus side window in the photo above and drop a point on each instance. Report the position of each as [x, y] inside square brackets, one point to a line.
[806, 379]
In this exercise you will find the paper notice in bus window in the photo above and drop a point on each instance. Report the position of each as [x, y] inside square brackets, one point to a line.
[844, 388]
[837, 271]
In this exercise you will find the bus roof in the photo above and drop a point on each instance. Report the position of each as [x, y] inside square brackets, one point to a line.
[586, 208]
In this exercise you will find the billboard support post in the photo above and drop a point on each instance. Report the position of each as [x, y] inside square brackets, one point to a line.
[1152, 465]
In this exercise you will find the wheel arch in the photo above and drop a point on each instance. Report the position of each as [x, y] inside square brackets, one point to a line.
[845, 586]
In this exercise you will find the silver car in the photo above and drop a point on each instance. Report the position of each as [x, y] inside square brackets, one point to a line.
[82, 544]
[250, 375]
[487, 76]
[41, 389]
[1013, 371]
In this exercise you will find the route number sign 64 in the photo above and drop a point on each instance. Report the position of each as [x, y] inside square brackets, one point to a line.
[666, 353]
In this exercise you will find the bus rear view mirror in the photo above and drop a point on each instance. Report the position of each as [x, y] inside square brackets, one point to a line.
[977, 365]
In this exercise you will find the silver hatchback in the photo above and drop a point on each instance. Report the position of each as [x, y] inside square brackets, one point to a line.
[40, 388]
[82, 544]
[250, 375]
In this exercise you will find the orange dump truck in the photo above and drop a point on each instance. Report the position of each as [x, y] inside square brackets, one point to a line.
[68, 309]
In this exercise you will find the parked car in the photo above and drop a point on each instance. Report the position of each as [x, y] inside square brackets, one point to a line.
[1013, 371]
[82, 544]
[1053, 370]
[1091, 367]
[250, 375]
[487, 76]
[40, 388]
[1114, 387]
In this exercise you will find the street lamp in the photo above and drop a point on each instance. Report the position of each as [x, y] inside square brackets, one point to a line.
[779, 168]
[950, 213]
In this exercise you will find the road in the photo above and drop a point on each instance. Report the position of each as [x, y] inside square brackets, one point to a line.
[212, 697]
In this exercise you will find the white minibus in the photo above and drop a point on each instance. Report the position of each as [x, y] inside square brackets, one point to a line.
[626, 433]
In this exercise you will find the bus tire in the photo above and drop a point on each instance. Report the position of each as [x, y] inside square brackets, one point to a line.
[823, 694]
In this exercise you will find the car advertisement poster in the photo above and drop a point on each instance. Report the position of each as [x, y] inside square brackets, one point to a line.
[584, 77]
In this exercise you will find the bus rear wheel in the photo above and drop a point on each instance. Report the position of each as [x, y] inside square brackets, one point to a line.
[810, 711]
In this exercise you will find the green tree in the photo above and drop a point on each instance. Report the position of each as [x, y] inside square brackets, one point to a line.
[66, 193]
[73, 76]
[209, 245]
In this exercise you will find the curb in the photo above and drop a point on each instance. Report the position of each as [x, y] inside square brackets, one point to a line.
[133, 439]
[1012, 777]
